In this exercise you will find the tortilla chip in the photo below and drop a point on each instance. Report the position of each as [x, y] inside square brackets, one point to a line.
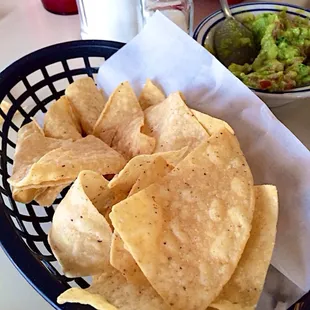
[87, 100]
[173, 125]
[111, 287]
[125, 180]
[120, 123]
[48, 195]
[77, 295]
[5, 107]
[44, 196]
[80, 236]
[246, 284]
[150, 95]
[188, 231]
[64, 164]
[31, 145]
[156, 170]
[211, 124]
[122, 260]
[26, 195]
[60, 121]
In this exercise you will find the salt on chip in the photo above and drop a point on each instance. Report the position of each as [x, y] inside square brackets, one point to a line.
[211, 124]
[63, 165]
[150, 95]
[188, 231]
[60, 121]
[244, 288]
[120, 258]
[125, 180]
[87, 100]
[120, 123]
[80, 236]
[112, 288]
[173, 125]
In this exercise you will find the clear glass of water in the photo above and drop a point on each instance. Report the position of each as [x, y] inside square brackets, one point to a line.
[116, 20]
[181, 12]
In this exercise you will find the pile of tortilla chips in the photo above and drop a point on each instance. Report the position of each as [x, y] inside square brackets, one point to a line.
[179, 226]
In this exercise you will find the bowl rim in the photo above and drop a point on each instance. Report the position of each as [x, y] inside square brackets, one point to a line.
[292, 93]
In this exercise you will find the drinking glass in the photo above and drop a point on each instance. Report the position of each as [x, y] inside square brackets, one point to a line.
[181, 12]
[116, 20]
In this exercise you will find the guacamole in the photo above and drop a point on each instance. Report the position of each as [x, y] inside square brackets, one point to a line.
[284, 59]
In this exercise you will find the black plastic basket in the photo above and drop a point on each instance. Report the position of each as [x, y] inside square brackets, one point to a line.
[31, 84]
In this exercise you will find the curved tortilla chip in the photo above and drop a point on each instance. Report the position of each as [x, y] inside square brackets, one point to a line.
[211, 124]
[26, 195]
[150, 95]
[125, 180]
[87, 100]
[64, 164]
[244, 288]
[113, 288]
[120, 123]
[31, 145]
[77, 295]
[187, 233]
[60, 121]
[80, 236]
[49, 194]
[173, 125]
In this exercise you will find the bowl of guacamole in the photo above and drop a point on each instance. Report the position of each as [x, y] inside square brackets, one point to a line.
[281, 70]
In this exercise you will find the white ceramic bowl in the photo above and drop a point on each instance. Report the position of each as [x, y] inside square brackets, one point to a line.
[205, 30]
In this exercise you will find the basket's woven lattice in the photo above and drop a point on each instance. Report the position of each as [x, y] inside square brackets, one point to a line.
[31, 84]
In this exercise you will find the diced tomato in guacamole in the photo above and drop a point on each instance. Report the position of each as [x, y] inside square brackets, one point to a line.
[284, 59]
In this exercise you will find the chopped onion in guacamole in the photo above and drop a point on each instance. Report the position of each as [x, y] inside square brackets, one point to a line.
[284, 59]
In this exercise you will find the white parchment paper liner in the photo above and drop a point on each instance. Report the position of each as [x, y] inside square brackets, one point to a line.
[168, 56]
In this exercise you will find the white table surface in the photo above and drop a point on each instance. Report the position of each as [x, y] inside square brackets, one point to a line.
[24, 27]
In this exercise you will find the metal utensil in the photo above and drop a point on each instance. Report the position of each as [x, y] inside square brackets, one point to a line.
[233, 42]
